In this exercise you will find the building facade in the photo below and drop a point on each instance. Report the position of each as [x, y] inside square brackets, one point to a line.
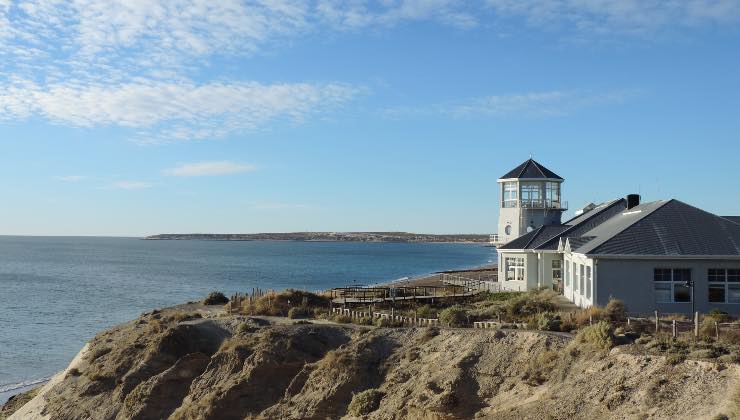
[664, 255]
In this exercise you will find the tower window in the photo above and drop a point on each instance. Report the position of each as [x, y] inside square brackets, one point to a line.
[507, 229]
[511, 194]
[531, 195]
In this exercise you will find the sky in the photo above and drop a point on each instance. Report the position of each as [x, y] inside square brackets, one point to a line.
[138, 117]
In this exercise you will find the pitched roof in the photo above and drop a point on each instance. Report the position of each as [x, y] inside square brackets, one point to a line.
[535, 238]
[735, 219]
[530, 169]
[548, 237]
[664, 228]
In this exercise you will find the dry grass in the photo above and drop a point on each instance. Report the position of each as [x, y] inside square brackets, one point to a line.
[279, 304]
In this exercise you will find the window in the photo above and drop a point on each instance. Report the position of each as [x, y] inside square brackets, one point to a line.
[510, 194]
[575, 277]
[724, 285]
[557, 274]
[670, 285]
[552, 194]
[588, 282]
[582, 279]
[514, 268]
[567, 276]
[531, 195]
[507, 229]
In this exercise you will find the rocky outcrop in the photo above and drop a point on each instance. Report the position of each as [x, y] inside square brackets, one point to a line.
[166, 365]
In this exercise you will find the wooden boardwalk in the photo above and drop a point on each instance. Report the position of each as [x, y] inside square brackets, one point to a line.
[361, 299]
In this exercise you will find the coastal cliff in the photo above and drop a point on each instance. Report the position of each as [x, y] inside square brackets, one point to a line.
[199, 363]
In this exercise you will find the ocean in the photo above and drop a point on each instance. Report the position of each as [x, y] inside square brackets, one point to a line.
[57, 293]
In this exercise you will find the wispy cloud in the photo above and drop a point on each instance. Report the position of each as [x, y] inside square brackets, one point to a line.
[533, 104]
[70, 178]
[607, 17]
[129, 185]
[171, 111]
[212, 168]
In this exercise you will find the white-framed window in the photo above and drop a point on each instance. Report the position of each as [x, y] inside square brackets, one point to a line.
[515, 268]
[511, 194]
[581, 279]
[552, 194]
[557, 270]
[724, 285]
[670, 285]
[567, 275]
[588, 282]
[531, 195]
[575, 277]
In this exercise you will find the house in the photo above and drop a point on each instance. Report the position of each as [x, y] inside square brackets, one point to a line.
[664, 255]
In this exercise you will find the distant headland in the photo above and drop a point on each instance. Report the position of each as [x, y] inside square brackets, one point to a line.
[324, 236]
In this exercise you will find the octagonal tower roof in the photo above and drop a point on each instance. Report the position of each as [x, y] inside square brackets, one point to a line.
[530, 169]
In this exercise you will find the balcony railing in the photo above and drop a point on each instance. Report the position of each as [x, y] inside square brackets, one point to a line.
[536, 204]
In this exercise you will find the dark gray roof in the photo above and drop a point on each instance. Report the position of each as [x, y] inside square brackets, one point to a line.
[535, 238]
[735, 219]
[581, 224]
[664, 228]
[548, 237]
[531, 170]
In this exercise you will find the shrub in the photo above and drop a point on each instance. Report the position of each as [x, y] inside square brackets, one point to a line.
[386, 323]
[454, 316]
[675, 358]
[548, 321]
[584, 317]
[215, 298]
[365, 321]
[615, 311]
[342, 319]
[425, 311]
[279, 304]
[530, 303]
[599, 335]
[503, 296]
[365, 402]
[540, 367]
[99, 352]
[703, 354]
[299, 312]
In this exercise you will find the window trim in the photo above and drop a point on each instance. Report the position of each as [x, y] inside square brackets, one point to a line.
[725, 282]
[672, 282]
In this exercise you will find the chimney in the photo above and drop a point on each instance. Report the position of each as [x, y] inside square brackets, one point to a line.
[633, 200]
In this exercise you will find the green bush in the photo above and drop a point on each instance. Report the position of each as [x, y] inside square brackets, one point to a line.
[675, 358]
[599, 335]
[425, 311]
[454, 316]
[615, 311]
[342, 319]
[365, 321]
[365, 402]
[299, 312]
[503, 296]
[548, 321]
[530, 303]
[215, 298]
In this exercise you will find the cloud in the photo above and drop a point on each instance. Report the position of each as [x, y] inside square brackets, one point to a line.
[212, 168]
[533, 104]
[70, 178]
[608, 17]
[130, 185]
[169, 111]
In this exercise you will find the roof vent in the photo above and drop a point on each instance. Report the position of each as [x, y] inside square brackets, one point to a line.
[633, 200]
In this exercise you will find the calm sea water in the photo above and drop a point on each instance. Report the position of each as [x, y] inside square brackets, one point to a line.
[56, 293]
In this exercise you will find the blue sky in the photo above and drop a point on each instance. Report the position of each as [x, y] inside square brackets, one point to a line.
[141, 117]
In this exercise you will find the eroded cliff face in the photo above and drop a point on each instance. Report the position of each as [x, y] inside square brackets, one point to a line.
[165, 365]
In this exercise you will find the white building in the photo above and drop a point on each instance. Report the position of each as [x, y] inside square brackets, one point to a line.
[664, 255]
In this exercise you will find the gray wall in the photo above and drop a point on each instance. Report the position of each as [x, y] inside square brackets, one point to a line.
[632, 282]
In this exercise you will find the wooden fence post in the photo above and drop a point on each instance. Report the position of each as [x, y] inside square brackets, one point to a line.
[716, 330]
[696, 324]
[674, 328]
[657, 322]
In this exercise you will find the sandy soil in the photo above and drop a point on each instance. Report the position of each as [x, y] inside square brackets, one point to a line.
[169, 364]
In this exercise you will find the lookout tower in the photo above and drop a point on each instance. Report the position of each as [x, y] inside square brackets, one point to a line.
[530, 197]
